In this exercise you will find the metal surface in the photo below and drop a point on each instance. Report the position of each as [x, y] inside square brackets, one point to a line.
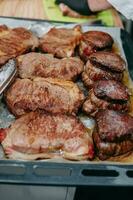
[65, 174]
[7, 74]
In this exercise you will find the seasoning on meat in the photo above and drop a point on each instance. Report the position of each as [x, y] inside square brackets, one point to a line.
[61, 42]
[33, 65]
[107, 94]
[113, 135]
[51, 95]
[93, 41]
[14, 42]
[105, 66]
[42, 135]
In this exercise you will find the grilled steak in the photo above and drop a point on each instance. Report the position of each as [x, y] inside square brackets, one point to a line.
[93, 41]
[45, 65]
[14, 42]
[114, 126]
[106, 150]
[39, 135]
[61, 42]
[103, 66]
[107, 94]
[51, 95]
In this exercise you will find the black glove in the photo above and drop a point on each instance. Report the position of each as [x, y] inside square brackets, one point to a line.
[80, 6]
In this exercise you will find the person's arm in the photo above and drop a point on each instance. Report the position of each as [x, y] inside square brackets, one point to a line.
[98, 5]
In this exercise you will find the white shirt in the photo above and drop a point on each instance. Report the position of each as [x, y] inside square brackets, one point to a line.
[123, 6]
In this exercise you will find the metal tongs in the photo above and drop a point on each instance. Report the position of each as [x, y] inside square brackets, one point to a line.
[7, 74]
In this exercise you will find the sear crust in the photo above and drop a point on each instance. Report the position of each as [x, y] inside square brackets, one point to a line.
[105, 150]
[114, 126]
[108, 60]
[93, 41]
[61, 42]
[111, 90]
[42, 135]
[45, 65]
[93, 104]
[51, 95]
[107, 94]
[103, 66]
[93, 73]
[14, 42]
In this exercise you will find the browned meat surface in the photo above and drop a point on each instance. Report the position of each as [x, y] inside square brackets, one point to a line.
[105, 150]
[14, 42]
[93, 41]
[51, 95]
[61, 42]
[114, 126]
[40, 135]
[108, 60]
[106, 95]
[103, 66]
[45, 65]
[111, 90]
[92, 73]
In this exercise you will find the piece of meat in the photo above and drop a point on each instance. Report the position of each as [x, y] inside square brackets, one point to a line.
[108, 61]
[45, 65]
[93, 41]
[61, 42]
[112, 100]
[42, 135]
[105, 150]
[114, 126]
[51, 95]
[14, 42]
[111, 90]
[93, 73]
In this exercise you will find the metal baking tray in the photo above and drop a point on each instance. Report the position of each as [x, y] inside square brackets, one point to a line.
[69, 173]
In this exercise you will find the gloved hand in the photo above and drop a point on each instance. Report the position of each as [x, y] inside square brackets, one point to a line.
[80, 6]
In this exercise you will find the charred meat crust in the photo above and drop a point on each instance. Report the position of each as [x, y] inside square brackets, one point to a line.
[99, 39]
[93, 41]
[114, 126]
[105, 150]
[106, 94]
[108, 60]
[103, 66]
[111, 90]
[93, 73]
